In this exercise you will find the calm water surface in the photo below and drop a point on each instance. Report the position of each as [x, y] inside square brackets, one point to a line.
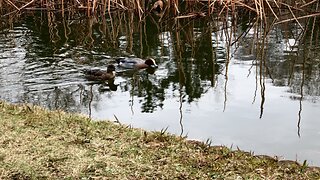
[266, 101]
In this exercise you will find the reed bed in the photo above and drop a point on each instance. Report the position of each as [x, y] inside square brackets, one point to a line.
[281, 11]
[265, 13]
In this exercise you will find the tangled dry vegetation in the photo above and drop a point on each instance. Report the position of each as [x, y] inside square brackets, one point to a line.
[281, 11]
[40, 144]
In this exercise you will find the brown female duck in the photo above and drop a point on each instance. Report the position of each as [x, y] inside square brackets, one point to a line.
[102, 75]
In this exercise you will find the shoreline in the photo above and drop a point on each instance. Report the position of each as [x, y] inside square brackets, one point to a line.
[38, 143]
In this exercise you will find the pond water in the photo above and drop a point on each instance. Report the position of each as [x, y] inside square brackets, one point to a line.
[258, 94]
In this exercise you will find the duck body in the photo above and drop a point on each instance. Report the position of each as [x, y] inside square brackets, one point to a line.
[102, 75]
[136, 63]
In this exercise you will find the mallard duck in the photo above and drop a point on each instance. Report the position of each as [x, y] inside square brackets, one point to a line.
[136, 63]
[97, 74]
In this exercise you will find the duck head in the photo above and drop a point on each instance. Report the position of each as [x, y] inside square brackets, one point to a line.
[151, 63]
[111, 68]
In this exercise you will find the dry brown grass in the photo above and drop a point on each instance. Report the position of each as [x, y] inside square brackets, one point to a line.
[39, 144]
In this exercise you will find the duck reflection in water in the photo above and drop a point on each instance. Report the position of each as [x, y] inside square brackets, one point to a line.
[105, 76]
[109, 86]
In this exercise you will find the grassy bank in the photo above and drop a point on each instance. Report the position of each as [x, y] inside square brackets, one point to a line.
[36, 143]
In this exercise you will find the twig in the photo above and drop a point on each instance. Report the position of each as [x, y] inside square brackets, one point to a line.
[191, 15]
[276, 4]
[301, 17]
[295, 17]
[12, 12]
[291, 6]
[11, 3]
[307, 4]
[94, 6]
[252, 9]
[26, 5]
[122, 6]
[272, 10]
[117, 120]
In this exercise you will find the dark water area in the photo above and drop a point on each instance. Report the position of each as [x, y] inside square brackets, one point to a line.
[258, 94]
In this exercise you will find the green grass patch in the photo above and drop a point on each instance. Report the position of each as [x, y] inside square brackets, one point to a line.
[39, 144]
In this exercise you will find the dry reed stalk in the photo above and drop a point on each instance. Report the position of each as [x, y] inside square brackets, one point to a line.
[112, 34]
[66, 29]
[246, 6]
[94, 6]
[271, 9]
[259, 9]
[212, 5]
[12, 4]
[294, 16]
[256, 7]
[292, 7]
[80, 4]
[191, 15]
[88, 38]
[221, 11]
[263, 11]
[312, 31]
[62, 9]
[24, 6]
[176, 4]
[104, 7]
[297, 18]
[140, 10]
[88, 7]
[109, 5]
[275, 2]
[307, 4]
[233, 8]
[120, 5]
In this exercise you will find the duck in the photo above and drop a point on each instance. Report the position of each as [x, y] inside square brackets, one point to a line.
[102, 75]
[136, 63]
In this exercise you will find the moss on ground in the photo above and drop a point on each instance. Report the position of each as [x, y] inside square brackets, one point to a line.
[39, 144]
